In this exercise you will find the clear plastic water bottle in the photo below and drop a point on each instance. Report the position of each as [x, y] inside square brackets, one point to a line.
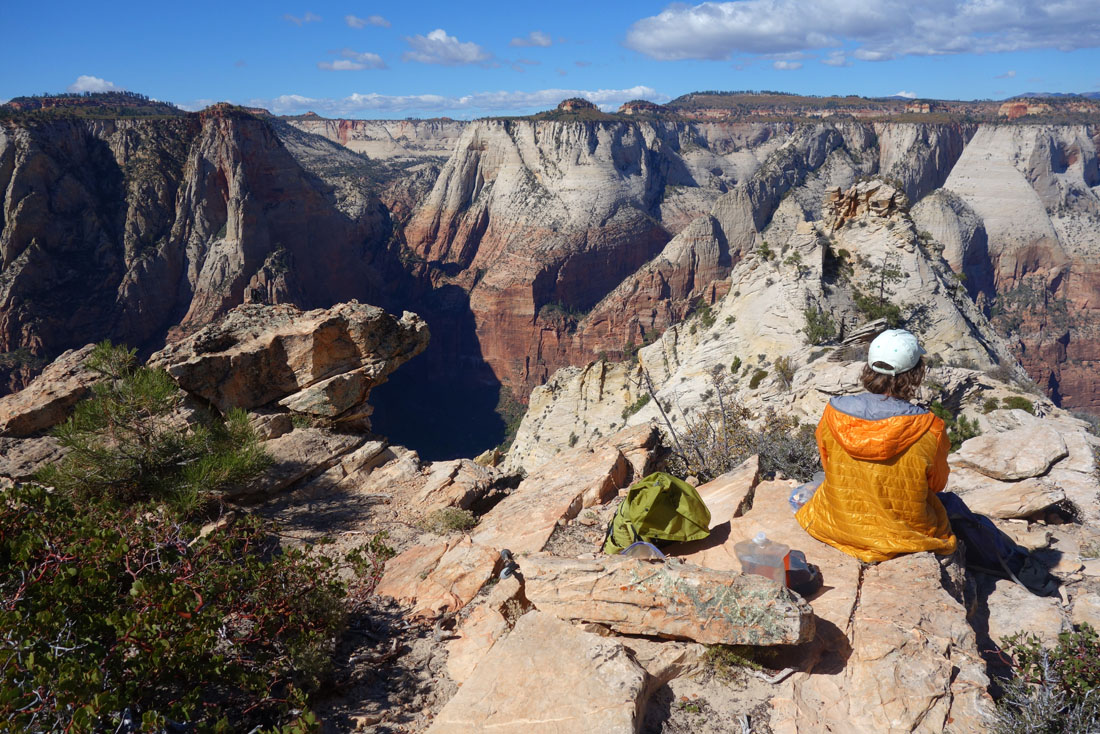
[764, 557]
[801, 494]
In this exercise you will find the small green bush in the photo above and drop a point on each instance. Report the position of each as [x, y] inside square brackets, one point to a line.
[729, 662]
[757, 378]
[990, 405]
[735, 365]
[110, 609]
[448, 520]
[959, 428]
[641, 402]
[1053, 690]
[820, 326]
[784, 370]
[765, 252]
[1017, 402]
[874, 308]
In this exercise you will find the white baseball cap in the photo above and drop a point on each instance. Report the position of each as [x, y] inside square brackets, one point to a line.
[898, 349]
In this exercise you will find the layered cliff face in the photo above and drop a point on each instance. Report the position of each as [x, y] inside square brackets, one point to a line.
[387, 138]
[1020, 215]
[130, 230]
[573, 239]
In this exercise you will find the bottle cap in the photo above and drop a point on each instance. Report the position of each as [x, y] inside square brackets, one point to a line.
[760, 538]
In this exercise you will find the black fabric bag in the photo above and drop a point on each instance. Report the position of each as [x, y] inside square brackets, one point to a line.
[990, 551]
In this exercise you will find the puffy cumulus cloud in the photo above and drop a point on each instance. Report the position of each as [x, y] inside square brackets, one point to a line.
[86, 83]
[534, 38]
[787, 65]
[356, 22]
[353, 61]
[872, 31]
[906, 95]
[439, 48]
[307, 18]
[471, 105]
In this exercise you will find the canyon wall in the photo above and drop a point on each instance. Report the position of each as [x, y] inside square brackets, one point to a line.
[1020, 213]
[387, 138]
[529, 245]
[138, 230]
[575, 239]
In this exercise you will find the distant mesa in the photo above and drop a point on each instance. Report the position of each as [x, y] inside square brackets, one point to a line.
[95, 104]
[1017, 109]
[228, 109]
[924, 107]
[640, 107]
[576, 104]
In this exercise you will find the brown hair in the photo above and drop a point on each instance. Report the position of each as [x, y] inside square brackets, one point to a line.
[903, 386]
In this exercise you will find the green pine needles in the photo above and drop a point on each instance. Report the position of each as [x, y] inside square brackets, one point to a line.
[132, 442]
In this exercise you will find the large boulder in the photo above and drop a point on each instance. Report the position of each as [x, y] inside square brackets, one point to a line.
[548, 677]
[323, 362]
[438, 578]
[1012, 455]
[1005, 500]
[50, 398]
[670, 599]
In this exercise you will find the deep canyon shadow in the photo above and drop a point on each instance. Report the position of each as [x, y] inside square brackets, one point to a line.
[442, 403]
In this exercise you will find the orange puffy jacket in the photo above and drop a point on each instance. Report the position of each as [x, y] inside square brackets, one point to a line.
[884, 461]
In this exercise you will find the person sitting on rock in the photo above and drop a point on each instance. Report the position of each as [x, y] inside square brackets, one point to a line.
[884, 459]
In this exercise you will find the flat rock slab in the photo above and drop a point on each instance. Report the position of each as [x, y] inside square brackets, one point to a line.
[458, 483]
[908, 662]
[729, 495]
[1011, 455]
[438, 578]
[669, 599]
[296, 455]
[524, 521]
[20, 458]
[1013, 610]
[1006, 500]
[548, 677]
[50, 397]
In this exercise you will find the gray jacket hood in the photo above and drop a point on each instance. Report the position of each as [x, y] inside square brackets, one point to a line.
[872, 407]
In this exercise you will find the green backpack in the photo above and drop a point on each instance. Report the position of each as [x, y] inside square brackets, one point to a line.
[659, 507]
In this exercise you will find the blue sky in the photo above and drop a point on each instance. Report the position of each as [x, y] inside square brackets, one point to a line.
[463, 60]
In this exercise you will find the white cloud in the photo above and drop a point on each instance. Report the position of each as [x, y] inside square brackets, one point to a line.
[85, 83]
[307, 18]
[439, 48]
[356, 22]
[534, 38]
[472, 105]
[870, 31]
[907, 95]
[836, 58]
[340, 65]
[353, 61]
[787, 65]
[1006, 75]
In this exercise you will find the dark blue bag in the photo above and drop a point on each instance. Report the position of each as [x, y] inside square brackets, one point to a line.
[990, 551]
